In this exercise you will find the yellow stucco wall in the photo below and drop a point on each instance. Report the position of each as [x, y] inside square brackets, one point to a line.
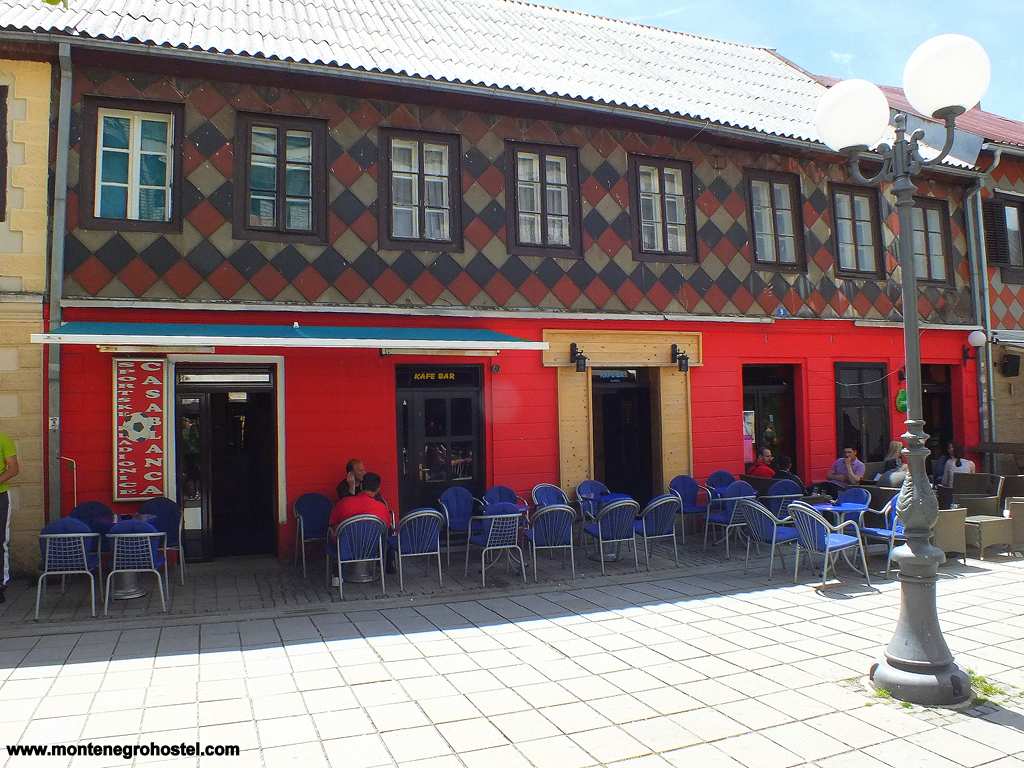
[22, 282]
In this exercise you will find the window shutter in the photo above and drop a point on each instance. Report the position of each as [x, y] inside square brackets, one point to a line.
[997, 243]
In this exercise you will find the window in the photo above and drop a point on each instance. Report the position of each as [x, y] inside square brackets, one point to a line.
[663, 220]
[3, 152]
[862, 409]
[856, 230]
[544, 212]
[1004, 241]
[931, 240]
[280, 164]
[774, 204]
[131, 170]
[420, 190]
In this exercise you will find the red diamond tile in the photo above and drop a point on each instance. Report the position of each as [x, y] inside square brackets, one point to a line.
[437, 120]
[366, 227]
[473, 127]
[610, 242]
[725, 249]
[620, 192]
[659, 296]
[662, 145]
[372, 170]
[205, 218]
[629, 294]
[427, 287]
[768, 300]
[118, 85]
[162, 90]
[534, 290]
[92, 275]
[310, 283]
[289, 104]
[815, 301]
[735, 205]
[191, 157]
[137, 276]
[492, 180]
[823, 258]
[366, 116]
[587, 241]
[603, 143]
[478, 233]
[351, 284]
[592, 191]
[884, 305]
[464, 288]
[507, 128]
[268, 281]
[226, 280]
[499, 289]
[248, 100]
[71, 220]
[792, 301]
[839, 303]
[224, 160]
[924, 307]
[715, 298]
[566, 291]
[335, 227]
[540, 131]
[401, 117]
[742, 299]
[333, 111]
[598, 292]
[467, 181]
[389, 285]
[810, 215]
[207, 99]
[182, 278]
[346, 170]
[707, 202]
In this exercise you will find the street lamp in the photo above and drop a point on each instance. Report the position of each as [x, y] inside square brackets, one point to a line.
[944, 77]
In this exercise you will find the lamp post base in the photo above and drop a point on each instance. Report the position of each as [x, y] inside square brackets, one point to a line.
[934, 686]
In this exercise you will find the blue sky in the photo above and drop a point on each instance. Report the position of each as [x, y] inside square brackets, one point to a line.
[863, 38]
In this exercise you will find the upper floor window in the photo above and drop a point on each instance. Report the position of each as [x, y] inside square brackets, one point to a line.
[931, 239]
[663, 221]
[1004, 241]
[544, 206]
[775, 220]
[856, 231]
[280, 185]
[420, 190]
[131, 175]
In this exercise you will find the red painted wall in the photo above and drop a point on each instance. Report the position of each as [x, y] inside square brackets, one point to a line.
[341, 403]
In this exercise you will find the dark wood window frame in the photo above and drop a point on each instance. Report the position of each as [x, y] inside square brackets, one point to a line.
[384, 215]
[242, 230]
[882, 374]
[689, 215]
[876, 229]
[947, 241]
[997, 236]
[3, 153]
[793, 180]
[575, 248]
[87, 159]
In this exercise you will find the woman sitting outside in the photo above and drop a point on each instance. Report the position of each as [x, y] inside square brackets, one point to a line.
[893, 471]
[956, 465]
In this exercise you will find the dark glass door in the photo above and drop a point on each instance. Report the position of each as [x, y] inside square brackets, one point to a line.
[192, 432]
[862, 409]
[768, 392]
[440, 433]
[622, 432]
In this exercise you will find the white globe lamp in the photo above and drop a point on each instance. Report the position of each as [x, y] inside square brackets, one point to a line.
[852, 113]
[946, 75]
[977, 338]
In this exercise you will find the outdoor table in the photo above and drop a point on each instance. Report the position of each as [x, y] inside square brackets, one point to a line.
[126, 586]
[841, 512]
[987, 531]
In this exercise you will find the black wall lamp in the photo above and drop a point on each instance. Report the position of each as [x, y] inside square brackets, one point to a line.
[681, 358]
[576, 356]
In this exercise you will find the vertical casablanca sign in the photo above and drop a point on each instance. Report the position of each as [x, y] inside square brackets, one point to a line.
[139, 428]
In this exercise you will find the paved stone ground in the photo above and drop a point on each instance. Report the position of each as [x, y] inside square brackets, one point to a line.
[687, 669]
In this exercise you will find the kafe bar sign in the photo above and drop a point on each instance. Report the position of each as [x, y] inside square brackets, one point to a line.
[139, 428]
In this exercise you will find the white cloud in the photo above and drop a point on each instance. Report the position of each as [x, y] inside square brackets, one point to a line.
[843, 59]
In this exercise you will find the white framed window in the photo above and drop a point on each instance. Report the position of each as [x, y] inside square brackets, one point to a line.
[544, 208]
[421, 195]
[134, 165]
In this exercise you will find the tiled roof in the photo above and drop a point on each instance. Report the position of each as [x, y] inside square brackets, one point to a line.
[501, 44]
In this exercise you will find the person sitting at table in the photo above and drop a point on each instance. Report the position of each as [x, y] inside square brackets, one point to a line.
[957, 465]
[847, 469]
[367, 502]
[762, 466]
[893, 470]
[352, 483]
[939, 465]
[784, 471]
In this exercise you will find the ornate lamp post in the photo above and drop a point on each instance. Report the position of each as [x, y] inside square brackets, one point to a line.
[944, 77]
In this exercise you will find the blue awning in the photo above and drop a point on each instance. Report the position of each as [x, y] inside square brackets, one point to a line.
[293, 335]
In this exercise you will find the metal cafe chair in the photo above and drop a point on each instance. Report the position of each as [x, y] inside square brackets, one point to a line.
[137, 549]
[98, 516]
[819, 537]
[588, 494]
[722, 512]
[688, 491]
[614, 524]
[658, 521]
[360, 540]
[889, 532]
[503, 494]
[312, 514]
[167, 518]
[766, 527]
[419, 535]
[550, 528]
[457, 505]
[780, 494]
[547, 494]
[497, 530]
[69, 547]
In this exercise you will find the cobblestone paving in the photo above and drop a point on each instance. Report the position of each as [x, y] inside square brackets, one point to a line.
[685, 668]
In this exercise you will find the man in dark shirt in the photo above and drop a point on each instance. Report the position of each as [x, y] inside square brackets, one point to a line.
[784, 471]
[352, 483]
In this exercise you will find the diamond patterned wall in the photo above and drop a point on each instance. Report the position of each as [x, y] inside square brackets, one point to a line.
[204, 262]
[1006, 300]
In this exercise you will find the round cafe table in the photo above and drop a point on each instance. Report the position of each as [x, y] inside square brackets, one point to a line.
[126, 586]
[841, 512]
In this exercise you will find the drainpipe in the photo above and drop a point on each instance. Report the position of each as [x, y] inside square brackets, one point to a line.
[60, 206]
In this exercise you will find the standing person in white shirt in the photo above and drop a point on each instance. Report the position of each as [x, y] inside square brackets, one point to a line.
[956, 465]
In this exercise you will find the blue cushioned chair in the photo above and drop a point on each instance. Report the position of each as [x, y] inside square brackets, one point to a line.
[458, 505]
[496, 530]
[614, 524]
[312, 515]
[360, 540]
[167, 518]
[419, 535]
[546, 494]
[98, 516]
[138, 548]
[688, 491]
[889, 532]
[765, 527]
[722, 511]
[780, 494]
[658, 521]
[589, 494]
[550, 527]
[719, 480]
[503, 494]
[819, 537]
[68, 547]
[854, 496]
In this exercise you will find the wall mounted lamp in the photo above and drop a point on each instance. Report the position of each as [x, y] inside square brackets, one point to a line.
[576, 356]
[680, 357]
[976, 339]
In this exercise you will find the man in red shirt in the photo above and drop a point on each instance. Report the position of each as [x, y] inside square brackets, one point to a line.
[762, 464]
[365, 503]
